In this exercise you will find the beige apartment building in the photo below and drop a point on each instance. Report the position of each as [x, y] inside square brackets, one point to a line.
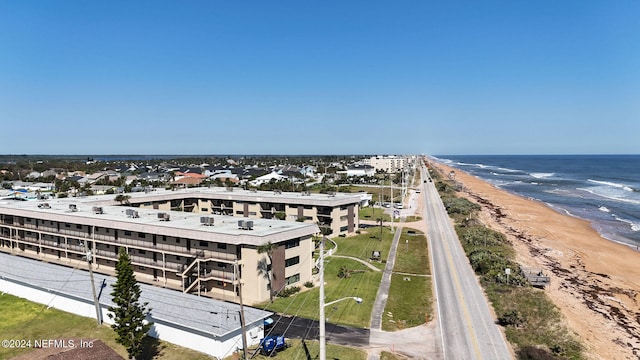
[194, 252]
[389, 164]
[337, 211]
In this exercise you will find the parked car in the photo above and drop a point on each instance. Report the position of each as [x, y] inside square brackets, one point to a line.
[270, 345]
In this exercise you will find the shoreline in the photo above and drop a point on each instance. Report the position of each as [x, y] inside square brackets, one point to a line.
[594, 282]
[559, 210]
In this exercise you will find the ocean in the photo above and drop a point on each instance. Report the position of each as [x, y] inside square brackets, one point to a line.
[602, 189]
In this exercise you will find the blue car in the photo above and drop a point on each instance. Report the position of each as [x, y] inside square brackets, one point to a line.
[272, 344]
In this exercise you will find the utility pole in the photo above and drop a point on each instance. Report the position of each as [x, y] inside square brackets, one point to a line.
[242, 324]
[93, 285]
[393, 209]
[323, 340]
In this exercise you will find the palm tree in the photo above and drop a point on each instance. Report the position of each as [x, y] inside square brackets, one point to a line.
[268, 249]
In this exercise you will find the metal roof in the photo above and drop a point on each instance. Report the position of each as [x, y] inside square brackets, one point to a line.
[203, 314]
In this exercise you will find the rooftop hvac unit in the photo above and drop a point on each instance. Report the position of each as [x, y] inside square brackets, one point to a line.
[97, 210]
[306, 193]
[44, 206]
[331, 193]
[206, 220]
[73, 207]
[245, 224]
[277, 191]
[132, 213]
[163, 216]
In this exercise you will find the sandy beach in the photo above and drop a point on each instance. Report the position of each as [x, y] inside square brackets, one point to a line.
[594, 281]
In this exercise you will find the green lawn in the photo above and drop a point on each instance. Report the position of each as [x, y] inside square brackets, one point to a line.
[409, 302]
[22, 319]
[412, 255]
[410, 297]
[348, 312]
[361, 246]
[373, 214]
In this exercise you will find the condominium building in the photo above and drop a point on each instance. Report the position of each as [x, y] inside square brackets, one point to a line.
[338, 212]
[195, 252]
[389, 164]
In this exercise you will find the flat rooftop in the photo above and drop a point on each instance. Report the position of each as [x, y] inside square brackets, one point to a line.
[181, 224]
[203, 314]
[294, 198]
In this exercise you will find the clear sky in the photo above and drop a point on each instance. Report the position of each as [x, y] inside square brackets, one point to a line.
[319, 77]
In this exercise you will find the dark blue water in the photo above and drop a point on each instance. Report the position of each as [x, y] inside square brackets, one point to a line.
[603, 189]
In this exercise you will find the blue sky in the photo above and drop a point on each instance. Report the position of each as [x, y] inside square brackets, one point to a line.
[324, 77]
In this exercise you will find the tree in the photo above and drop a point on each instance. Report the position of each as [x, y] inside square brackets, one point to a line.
[128, 314]
[122, 198]
[268, 249]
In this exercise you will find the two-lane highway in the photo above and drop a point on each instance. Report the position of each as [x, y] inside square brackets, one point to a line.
[468, 329]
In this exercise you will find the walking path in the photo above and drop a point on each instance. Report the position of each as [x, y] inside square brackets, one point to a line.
[383, 290]
[358, 260]
[420, 342]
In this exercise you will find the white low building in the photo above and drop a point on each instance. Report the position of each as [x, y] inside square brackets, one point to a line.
[198, 323]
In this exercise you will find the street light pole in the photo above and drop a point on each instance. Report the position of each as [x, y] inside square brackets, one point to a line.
[323, 344]
[322, 336]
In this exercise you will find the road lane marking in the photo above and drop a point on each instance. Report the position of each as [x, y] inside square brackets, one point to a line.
[465, 310]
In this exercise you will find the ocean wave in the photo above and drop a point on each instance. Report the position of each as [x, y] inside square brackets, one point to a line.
[634, 226]
[616, 185]
[604, 209]
[542, 175]
[608, 194]
[509, 170]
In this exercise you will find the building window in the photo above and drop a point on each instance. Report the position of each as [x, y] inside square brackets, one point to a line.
[292, 243]
[292, 261]
[222, 246]
[141, 235]
[239, 212]
[142, 252]
[292, 279]
[127, 233]
[204, 244]
[67, 225]
[205, 209]
[78, 226]
[178, 241]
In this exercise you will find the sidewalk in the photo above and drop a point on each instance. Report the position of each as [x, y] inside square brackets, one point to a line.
[383, 290]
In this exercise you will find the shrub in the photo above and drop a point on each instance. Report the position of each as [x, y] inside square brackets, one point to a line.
[289, 291]
[308, 284]
[534, 353]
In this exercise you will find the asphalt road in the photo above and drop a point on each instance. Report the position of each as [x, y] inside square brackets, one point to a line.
[301, 328]
[468, 329]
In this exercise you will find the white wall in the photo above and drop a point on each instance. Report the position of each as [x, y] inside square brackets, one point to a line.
[206, 343]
